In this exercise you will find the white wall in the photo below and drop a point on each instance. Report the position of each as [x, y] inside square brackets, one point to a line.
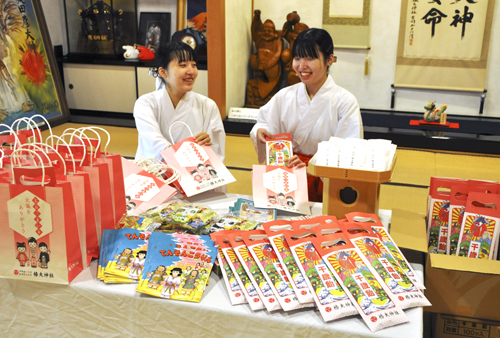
[238, 49]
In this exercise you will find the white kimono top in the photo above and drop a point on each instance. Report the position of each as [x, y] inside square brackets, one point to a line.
[154, 113]
[333, 111]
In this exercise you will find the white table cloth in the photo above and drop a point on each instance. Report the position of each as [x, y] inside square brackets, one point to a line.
[88, 307]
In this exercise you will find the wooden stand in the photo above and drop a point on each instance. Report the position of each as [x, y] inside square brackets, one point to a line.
[365, 183]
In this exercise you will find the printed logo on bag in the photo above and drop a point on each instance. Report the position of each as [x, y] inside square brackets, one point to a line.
[141, 188]
[29, 215]
[191, 154]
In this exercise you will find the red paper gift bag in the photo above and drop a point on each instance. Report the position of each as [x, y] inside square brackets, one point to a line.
[199, 167]
[115, 171]
[40, 240]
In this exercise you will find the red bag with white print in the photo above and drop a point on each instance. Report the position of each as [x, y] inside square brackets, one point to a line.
[40, 239]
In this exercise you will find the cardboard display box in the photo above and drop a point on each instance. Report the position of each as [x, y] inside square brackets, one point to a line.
[459, 286]
[447, 326]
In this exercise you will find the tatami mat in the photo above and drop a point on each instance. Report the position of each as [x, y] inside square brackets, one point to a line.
[414, 167]
[468, 167]
[240, 152]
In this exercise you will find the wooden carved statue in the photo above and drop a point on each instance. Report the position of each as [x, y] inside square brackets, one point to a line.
[265, 62]
[291, 29]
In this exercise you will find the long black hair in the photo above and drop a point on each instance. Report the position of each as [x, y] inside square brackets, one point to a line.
[312, 41]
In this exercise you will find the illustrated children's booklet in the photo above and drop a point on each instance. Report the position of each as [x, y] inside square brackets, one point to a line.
[178, 266]
[126, 254]
[279, 149]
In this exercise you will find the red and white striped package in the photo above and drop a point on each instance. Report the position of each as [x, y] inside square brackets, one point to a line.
[389, 244]
[399, 286]
[274, 231]
[266, 258]
[263, 289]
[364, 287]
[240, 274]
[234, 286]
[330, 298]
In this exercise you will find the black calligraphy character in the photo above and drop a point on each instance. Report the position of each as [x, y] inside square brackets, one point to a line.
[469, 1]
[436, 1]
[467, 17]
[25, 21]
[28, 35]
[434, 17]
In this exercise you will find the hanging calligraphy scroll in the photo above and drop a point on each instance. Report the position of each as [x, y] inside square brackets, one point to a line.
[443, 44]
[347, 21]
[29, 77]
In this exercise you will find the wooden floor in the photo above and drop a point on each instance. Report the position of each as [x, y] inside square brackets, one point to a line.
[408, 189]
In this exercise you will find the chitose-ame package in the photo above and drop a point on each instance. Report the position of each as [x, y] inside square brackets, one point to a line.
[480, 230]
[330, 298]
[361, 283]
[274, 231]
[388, 243]
[254, 273]
[262, 251]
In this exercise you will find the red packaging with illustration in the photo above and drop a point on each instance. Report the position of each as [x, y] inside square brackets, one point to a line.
[480, 230]
[254, 273]
[266, 258]
[390, 245]
[367, 292]
[329, 296]
[274, 231]
[399, 286]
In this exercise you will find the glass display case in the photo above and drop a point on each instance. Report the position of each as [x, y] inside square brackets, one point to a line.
[100, 28]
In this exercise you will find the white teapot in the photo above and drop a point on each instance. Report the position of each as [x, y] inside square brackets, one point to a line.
[131, 53]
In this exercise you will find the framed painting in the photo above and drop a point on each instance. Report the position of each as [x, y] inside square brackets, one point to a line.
[154, 29]
[30, 82]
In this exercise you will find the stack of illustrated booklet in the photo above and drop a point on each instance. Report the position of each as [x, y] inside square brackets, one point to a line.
[123, 253]
[178, 266]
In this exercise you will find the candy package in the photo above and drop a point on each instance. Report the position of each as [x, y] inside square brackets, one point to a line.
[274, 231]
[264, 255]
[480, 229]
[254, 273]
[328, 295]
[387, 241]
[367, 292]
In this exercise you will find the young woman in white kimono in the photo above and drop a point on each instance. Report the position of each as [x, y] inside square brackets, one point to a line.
[174, 101]
[313, 110]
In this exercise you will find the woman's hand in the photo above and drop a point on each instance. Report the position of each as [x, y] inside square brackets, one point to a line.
[203, 139]
[262, 133]
[295, 162]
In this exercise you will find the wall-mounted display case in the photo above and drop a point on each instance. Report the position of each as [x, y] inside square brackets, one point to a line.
[100, 28]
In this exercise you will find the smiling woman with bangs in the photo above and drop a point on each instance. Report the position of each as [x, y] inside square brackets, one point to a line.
[313, 110]
[173, 101]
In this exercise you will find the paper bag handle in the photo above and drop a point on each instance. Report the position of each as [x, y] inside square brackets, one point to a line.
[12, 133]
[170, 129]
[20, 172]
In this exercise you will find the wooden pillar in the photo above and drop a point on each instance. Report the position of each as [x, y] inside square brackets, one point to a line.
[216, 53]
[181, 14]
